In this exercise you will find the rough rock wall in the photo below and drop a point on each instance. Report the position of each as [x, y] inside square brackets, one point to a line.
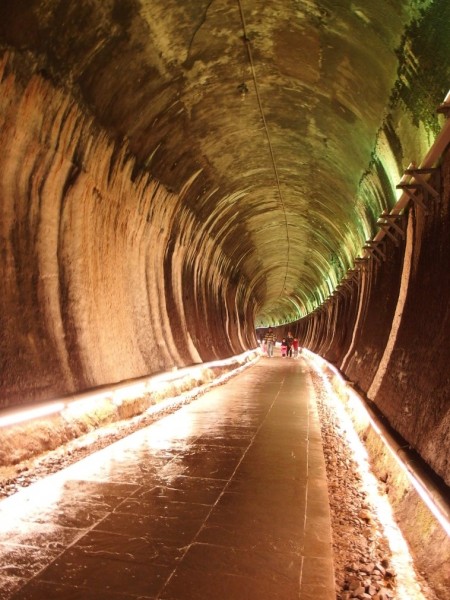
[379, 293]
[341, 316]
[414, 390]
[103, 276]
[329, 330]
[401, 337]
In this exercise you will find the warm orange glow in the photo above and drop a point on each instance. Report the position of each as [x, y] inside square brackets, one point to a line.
[408, 587]
[27, 414]
[130, 391]
[76, 406]
[363, 414]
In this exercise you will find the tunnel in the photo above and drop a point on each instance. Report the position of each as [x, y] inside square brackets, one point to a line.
[176, 177]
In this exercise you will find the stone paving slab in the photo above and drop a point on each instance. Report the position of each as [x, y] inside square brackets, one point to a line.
[226, 499]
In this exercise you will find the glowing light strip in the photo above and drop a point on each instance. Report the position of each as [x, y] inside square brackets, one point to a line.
[118, 393]
[406, 582]
[435, 504]
[28, 414]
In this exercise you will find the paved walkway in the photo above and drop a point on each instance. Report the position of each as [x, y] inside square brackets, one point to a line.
[226, 499]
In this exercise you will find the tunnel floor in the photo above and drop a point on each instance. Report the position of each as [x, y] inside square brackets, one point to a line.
[225, 498]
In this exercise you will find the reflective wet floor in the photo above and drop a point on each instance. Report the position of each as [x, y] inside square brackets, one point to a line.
[225, 499]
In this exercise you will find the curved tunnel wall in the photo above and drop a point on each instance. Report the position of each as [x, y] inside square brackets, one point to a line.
[391, 336]
[107, 274]
[102, 271]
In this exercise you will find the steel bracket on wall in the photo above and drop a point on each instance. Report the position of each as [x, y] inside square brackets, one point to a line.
[373, 248]
[361, 263]
[386, 222]
[419, 189]
[346, 285]
[385, 227]
[351, 275]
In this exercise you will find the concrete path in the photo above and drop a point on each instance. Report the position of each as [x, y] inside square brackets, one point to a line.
[226, 499]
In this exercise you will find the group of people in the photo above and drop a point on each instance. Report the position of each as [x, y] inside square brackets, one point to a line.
[289, 344]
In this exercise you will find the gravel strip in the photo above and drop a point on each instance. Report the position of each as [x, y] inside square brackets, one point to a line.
[362, 554]
[362, 557]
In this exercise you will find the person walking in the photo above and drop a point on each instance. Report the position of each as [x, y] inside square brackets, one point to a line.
[289, 342]
[270, 340]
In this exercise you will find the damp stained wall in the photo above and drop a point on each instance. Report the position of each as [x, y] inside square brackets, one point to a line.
[174, 174]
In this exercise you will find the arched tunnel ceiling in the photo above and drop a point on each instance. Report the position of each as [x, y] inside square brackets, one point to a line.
[269, 111]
